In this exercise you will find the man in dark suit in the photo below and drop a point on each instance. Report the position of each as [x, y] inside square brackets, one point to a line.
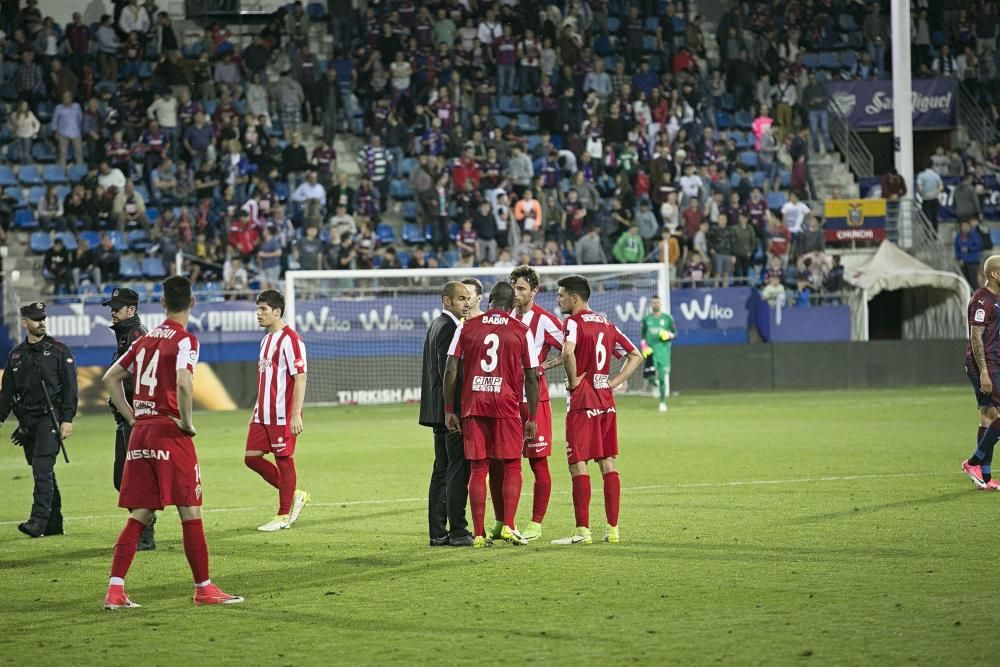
[450, 476]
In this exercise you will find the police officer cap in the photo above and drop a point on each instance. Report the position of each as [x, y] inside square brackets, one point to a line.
[33, 311]
[122, 296]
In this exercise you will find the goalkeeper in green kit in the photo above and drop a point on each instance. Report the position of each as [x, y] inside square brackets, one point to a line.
[658, 332]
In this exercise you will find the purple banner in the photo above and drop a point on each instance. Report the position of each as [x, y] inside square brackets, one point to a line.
[868, 104]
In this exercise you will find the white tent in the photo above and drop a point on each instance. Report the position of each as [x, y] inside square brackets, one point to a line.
[934, 304]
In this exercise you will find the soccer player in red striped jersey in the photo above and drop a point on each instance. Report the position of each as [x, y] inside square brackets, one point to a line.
[161, 465]
[498, 369]
[277, 417]
[589, 340]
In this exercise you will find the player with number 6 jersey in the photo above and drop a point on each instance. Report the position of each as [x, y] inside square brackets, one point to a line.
[589, 342]
[161, 465]
[277, 417]
[498, 368]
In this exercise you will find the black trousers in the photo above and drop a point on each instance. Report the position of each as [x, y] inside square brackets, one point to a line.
[449, 488]
[40, 454]
[121, 447]
[931, 208]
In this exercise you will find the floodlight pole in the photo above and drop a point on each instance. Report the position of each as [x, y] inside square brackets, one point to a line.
[902, 112]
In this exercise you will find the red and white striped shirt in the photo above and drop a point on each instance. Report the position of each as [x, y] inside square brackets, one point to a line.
[545, 334]
[282, 357]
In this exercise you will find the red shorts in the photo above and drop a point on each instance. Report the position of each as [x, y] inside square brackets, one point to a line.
[161, 468]
[591, 435]
[542, 444]
[277, 440]
[492, 437]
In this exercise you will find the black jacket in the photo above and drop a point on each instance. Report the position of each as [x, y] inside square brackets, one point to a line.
[126, 333]
[436, 344]
[48, 359]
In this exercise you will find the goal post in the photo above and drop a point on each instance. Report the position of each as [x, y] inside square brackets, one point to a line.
[364, 330]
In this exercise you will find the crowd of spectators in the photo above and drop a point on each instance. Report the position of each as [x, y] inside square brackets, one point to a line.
[587, 132]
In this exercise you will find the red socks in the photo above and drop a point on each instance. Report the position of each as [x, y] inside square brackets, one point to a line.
[512, 482]
[543, 487]
[125, 547]
[477, 495]
[496, 488]
[612, 497]
[286, 483]
[195, 549]
[281, 476]
[581, 500]
[264, 468]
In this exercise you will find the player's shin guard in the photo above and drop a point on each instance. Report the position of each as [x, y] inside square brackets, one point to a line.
[496, 488]
[125, 547]
[264, 468]
[543, 487]
[612, 496]
[512, 482]
[286, 483]
[984, 453]
[196, 549]
[581, 500]
[477, 495]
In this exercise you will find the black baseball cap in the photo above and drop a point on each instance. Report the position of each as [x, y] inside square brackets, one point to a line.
[122, 296]
[33, 311]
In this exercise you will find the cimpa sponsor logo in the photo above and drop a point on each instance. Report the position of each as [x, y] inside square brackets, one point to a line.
[144, 408]
[487, 384]
[601, 381]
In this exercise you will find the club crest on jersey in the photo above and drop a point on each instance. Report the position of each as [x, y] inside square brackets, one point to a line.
[197, 491]
[300, 364]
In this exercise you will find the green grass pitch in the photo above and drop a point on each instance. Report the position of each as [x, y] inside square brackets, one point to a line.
[756, 529]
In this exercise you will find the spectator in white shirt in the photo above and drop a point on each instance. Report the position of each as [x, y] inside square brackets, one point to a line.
[794, 213]
[311, 189]
[691, 184]
[134, 18]
[109, 178]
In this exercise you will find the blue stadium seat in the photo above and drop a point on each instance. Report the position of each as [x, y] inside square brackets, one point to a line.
[93, 238]
[527, 123]
[453, 231]
[40, 242]
[63, 191]
[501, 121]
[76, 173]
[602, 45]
[142, 191]
[44, 112]
[786, 178]
[742, 120]
[652, 23]
[53, 173]
[406, 166]
[68, 239]
[614, 24]
[24, 218]
[449, 258]
[15, 197]
[400, 189]
[385, 234]
[129, 268]
[531, 104]
[7, 176]
[412, 233]
[727, 102]
[848, 58]
[152, 214]
[811, 60]
[508, 105]
[43, 152]
[35, 195]
[428, 233]
[829, 60]
[846, 23]
[152, 267]
[648, 43]
[139, 240]
[749, 158]
[995, 236]
[758, 178]
[722, 120]
[775, 200]
[404, 258]
[680, 25]
[316, 11]
[29, 175]
[119, 241]
[8, 93]
[409, 211]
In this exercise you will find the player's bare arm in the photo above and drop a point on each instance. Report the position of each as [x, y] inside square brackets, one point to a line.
[451, 421]
[185, 401]
[552, 362]
[979, 354]
[632, 361]
[113, 384]
[569, 362]
[298, 398]
[531, 393]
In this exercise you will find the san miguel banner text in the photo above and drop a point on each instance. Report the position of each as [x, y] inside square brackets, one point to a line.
[854, 220]
[868, 104]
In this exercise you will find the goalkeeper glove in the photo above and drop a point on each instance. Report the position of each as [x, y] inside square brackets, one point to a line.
[646, 350]
[665, 335]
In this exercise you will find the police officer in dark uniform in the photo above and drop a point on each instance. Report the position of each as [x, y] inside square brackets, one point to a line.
[40, 358]
[124, 305]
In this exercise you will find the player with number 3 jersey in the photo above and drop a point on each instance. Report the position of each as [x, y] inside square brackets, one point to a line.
[589, 342]
[161, 465]
[498, 368]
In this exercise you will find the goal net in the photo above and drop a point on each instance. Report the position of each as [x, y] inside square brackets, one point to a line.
[364, 330]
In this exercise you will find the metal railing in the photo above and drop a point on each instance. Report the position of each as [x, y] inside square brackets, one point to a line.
[924, 242]
[848, 142]
[974, 119]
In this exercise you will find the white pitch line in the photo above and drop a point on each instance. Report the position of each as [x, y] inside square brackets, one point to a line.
[656, 487]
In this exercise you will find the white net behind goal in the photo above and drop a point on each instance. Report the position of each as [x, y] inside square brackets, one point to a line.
[364, 330]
